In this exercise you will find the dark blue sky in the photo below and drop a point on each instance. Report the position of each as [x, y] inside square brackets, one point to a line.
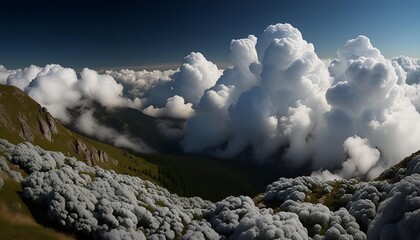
[104, 34]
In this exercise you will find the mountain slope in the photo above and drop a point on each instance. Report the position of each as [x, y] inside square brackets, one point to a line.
[25, 120]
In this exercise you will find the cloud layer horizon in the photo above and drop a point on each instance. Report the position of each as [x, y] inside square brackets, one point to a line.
[351, 116]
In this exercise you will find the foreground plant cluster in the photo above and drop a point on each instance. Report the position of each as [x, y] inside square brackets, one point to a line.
[102, 204]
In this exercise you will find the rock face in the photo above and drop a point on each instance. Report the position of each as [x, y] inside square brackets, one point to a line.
[51, 123]
[25, 131]
[45, 130]
[91, 154]
[48, 126]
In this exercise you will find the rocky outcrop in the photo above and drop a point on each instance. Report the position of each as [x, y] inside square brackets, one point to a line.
[25, 131]
[48, 126]
[91, 154]
[45, 130]
[51, 123]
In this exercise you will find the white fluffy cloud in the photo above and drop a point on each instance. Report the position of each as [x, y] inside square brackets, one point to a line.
[23, 77]
[55, 88]
[175, 108]
[276, 85]
[139, 83]
[408, 71]
[59, 89]
[5, 73]
[362, 157]
[277, 100]
[196, 75]
[366, 100]
[101, 88]
[279, 95]
[175, 98]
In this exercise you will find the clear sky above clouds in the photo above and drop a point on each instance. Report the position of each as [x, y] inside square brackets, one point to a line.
[104, 34]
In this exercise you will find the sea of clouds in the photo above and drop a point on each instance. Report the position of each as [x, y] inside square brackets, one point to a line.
[351, 116]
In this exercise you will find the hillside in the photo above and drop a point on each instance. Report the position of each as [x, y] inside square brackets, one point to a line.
[25, 120]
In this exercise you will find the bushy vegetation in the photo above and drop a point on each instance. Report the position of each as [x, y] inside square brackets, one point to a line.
[18, 220]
